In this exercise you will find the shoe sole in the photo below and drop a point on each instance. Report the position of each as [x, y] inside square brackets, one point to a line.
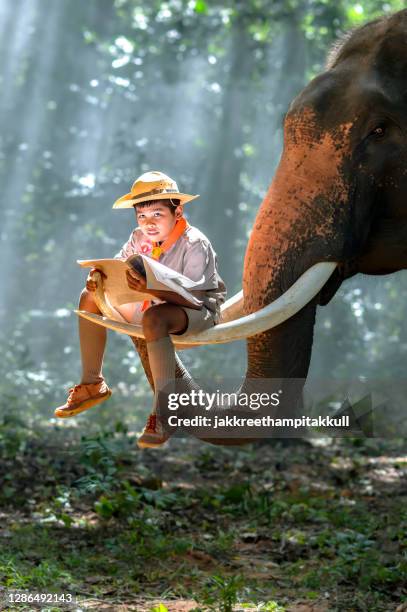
[145, 444]
[66, 413]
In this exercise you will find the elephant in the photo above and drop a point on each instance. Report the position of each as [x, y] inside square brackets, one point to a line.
[337, 196]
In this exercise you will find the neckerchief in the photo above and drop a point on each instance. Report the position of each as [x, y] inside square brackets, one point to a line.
[157, 250]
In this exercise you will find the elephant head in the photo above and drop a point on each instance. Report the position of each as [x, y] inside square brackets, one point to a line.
[338, 194]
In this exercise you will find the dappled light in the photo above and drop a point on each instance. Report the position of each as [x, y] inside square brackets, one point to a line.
[94, 94]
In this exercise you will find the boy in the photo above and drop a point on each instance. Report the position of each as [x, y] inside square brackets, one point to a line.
[163, 234]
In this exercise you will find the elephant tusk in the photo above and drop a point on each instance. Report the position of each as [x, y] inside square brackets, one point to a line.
[233, 308]
[287, 305]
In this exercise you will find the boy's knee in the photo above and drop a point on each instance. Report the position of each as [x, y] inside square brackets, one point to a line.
[87, 300]
[154, 321]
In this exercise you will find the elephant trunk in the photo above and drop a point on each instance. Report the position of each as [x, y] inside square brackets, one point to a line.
[303, 220]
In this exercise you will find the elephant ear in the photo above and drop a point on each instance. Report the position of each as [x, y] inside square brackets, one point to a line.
[391, 64]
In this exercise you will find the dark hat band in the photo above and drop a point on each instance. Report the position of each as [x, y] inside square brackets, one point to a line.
[154, 192]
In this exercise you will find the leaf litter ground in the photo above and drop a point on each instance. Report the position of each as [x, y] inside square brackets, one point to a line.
[304, 527]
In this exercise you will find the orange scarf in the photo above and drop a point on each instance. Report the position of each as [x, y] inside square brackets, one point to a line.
[157, 250]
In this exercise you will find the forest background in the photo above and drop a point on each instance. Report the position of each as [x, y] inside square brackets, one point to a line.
[93, 94]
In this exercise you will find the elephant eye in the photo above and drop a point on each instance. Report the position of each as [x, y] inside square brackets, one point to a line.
[379, 131]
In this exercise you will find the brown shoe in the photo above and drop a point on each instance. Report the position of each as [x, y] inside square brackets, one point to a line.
[153, 434]
[82, 397]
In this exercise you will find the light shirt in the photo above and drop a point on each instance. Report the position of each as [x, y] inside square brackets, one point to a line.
[193, 256]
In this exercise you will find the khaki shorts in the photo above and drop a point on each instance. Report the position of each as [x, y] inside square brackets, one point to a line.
[198, 320]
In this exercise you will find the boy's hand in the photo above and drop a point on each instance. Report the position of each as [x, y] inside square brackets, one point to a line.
[136, 281]
[91, 284]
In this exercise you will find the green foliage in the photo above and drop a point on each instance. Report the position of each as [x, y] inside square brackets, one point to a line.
[271, 606]
[127, 501]
[123, 503]
[102, 457]
[365, 570]
[222, 594]
[13, 436]
[200, 6]
[226, 539]
[59, 507]
[44, 575]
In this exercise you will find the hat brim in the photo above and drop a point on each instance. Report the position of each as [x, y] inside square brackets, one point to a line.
[128, 200]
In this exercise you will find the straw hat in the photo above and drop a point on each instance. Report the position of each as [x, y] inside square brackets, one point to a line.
[152, 186]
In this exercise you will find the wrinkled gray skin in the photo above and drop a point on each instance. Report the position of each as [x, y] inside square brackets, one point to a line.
[339, 193]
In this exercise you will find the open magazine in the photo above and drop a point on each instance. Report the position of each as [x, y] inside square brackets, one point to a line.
[158, 277]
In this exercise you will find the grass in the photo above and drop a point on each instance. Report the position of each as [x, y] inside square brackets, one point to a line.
[252, 528]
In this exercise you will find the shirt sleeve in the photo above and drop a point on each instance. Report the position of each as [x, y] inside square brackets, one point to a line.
[129, 248]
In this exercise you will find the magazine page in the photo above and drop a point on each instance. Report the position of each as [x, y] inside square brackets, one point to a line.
[159, 277]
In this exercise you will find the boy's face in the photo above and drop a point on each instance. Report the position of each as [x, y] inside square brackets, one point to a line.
[156, 220]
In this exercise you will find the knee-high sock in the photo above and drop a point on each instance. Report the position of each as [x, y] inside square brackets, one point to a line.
[93, 341]
[161, 356]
